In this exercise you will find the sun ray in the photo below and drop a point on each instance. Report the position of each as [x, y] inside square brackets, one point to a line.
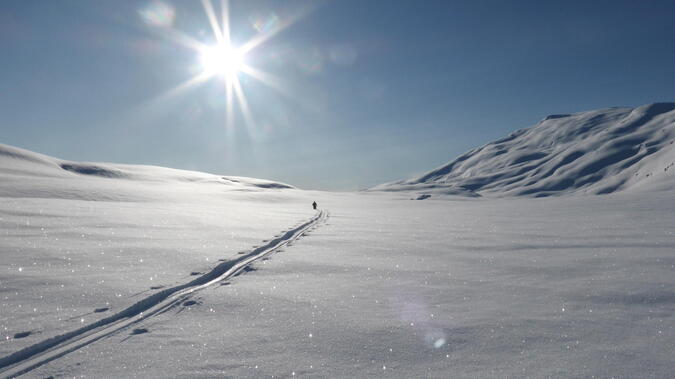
[229, 123]
[180, 38]
[229, 107]
[156, 106]
[263, 37]
[211, 14]
[225, 21]
[182, 87]
[243, 105]
[268, 79]
[228, 103]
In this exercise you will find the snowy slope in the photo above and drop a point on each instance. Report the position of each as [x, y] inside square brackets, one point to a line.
[596, 152]
[28, 174]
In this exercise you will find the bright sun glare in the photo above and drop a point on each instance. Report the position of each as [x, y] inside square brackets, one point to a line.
[221, 60]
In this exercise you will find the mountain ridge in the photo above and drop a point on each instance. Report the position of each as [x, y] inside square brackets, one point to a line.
[596, 152]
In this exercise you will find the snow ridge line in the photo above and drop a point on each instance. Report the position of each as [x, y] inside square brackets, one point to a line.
[28, 358]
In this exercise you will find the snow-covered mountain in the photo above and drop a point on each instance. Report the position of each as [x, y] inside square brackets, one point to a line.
[594, 152]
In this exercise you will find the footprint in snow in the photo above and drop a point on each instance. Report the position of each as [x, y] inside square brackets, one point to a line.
[246, 269]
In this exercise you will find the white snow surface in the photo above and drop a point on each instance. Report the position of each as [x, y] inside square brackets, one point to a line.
[595, 152]
[574, 286]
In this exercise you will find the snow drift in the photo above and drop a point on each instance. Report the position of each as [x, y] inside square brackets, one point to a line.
[595, 152]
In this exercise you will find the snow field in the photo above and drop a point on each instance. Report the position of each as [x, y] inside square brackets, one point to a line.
[388, 287]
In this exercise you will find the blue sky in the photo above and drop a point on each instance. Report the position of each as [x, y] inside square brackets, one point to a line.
[371, 91]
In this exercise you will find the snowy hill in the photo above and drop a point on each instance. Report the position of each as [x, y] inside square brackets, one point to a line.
[595, 152]
[27, 174]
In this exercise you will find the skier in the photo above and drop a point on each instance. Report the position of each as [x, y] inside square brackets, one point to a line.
[314, 205]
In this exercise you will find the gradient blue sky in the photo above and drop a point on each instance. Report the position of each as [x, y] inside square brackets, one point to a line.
[374, 90]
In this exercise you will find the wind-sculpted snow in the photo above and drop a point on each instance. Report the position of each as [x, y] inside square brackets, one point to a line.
[90, 169]
[594, 152]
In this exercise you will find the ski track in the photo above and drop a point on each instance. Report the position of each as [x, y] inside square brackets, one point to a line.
[31, 357]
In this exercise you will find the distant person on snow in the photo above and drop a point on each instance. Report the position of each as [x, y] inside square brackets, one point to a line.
[314, 205]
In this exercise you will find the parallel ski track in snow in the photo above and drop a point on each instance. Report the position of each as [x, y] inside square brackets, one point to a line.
[27, 359]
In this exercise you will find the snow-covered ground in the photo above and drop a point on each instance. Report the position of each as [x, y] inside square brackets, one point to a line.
[576, 286]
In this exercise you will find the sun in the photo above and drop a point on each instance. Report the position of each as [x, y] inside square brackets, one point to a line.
[222, 60]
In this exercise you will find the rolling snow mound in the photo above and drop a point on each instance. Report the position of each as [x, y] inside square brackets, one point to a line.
[26, 174]
[595, 152]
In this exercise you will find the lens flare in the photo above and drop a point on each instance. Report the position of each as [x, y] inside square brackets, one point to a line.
[265, 23]
[158, 14]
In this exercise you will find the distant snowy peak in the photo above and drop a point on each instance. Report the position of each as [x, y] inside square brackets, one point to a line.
[595, 152]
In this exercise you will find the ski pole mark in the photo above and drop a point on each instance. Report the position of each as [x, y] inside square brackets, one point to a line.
[31, 357]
